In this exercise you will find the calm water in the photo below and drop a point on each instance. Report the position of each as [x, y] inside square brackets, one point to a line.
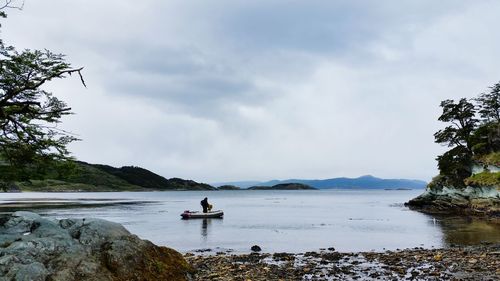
[291, 221]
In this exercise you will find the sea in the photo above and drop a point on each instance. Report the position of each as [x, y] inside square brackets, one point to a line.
[277, 221]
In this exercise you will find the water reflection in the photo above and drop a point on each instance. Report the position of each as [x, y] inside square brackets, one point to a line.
[204, 227]
[467, 230]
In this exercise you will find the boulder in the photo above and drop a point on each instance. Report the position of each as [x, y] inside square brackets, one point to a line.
[256, 248]
[37, 248]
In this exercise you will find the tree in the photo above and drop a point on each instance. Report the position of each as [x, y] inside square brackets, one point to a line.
[29, 115]
[489, 104]
[455, 163]
[9, 4]
[461, 115]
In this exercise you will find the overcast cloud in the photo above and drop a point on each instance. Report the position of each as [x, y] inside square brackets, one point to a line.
[239, 90]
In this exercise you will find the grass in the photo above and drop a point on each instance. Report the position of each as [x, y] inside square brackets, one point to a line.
[484, 179]
[491, 159]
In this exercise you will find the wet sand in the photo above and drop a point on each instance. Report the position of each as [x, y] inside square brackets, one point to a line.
[455, 263]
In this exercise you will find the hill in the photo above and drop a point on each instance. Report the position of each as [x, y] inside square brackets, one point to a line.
[147, 179]
[95, 177]
[364, 182]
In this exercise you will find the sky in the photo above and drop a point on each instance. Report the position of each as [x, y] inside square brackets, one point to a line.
[230, 90]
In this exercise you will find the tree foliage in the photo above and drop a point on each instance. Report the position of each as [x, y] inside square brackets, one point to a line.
[467, 136]
[489, 104]
[29, 115]
[461, 116]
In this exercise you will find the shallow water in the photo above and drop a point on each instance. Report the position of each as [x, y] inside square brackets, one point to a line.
[277, 221]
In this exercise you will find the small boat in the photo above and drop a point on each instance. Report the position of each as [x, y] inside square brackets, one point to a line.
[200, 215]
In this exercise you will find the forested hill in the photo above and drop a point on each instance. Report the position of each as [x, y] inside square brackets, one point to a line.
[94, 177]
[147, 179]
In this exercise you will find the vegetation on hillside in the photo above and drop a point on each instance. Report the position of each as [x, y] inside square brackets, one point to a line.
[489, 159]
[91, 177]
[141, 177]
[483, 179]
[473, 135]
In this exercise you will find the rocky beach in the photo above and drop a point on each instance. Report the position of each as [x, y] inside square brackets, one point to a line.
[455, 263]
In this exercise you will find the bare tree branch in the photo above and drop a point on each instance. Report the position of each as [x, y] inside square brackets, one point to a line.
[13, 93]
[8, 4]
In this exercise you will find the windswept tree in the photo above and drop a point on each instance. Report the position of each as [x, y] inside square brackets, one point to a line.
[470, 139]
[487, 136]
[461, 116]
[29, 115]
[455, 163]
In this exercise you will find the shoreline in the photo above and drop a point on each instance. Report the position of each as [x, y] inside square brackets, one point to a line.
[480, 262]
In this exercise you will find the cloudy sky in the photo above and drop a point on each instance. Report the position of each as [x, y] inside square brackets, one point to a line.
[236, 90]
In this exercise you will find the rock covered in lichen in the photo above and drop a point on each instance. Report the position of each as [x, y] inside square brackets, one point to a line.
[37, 248]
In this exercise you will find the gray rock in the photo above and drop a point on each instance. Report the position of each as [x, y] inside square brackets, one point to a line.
[256, 248]
[37, 248]
[29, 272]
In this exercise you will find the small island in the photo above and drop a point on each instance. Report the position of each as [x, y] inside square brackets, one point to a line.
[228, 187]
[284, 186]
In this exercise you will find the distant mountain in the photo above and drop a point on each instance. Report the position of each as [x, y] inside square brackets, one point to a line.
[364, 182]
[284, 186]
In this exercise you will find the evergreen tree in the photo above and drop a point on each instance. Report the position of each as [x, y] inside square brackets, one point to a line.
[489, 105]
[455, 163]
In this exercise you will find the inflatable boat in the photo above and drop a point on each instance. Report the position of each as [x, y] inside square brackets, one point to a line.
[200, 215]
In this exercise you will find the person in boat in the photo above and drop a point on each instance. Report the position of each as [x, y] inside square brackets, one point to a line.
[204, 205]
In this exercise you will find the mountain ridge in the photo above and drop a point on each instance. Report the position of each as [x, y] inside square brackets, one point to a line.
[362, 182]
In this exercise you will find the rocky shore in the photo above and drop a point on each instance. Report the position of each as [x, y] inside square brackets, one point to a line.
[474, 201]
[455, 263]
[37, 248]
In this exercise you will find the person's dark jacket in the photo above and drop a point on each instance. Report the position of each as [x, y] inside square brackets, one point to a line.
[204, 205]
